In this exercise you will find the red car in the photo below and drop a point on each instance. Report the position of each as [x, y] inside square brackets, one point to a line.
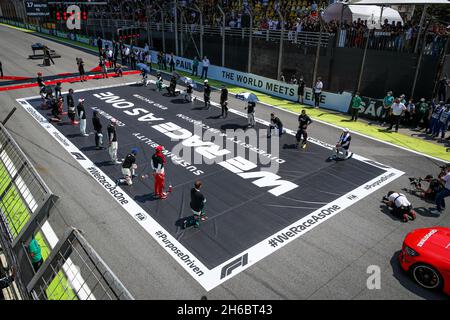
[425, 256]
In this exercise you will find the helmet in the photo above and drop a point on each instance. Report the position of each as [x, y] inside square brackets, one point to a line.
[134, 150]
[81, 100]
[346, 130]
[206, 81]
[113, 120]
[159, 148]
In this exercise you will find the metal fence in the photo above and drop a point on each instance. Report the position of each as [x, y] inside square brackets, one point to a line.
[390, 41]
[75, 271]
[71, 268]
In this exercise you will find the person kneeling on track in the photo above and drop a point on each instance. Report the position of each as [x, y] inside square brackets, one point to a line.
[341, 150]
[56, 109]
[430, 193]
[275, 123]
[197, 204]
[129, 167]
[118, 70]
[159, 81]
[400, 206]
[303, 122]
[144, 80]
[189, 90]
[171, 89]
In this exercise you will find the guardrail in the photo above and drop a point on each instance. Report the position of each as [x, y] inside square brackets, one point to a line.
[71, 268]
[303, 37]
[100, 283]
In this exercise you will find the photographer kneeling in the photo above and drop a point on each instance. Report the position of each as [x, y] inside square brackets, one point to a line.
[400, 206]
[444, 177]
[434, 187]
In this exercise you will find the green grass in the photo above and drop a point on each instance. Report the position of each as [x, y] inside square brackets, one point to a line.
[12, 203]
[341, 120]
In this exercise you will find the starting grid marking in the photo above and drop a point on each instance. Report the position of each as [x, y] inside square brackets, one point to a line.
[211, 278]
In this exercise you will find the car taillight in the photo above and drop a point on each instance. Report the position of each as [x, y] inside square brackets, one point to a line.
[410, 252]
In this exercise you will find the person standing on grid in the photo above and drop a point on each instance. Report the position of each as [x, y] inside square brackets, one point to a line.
[318, 86]
[113, 143]
[82, 116]
[251, 113]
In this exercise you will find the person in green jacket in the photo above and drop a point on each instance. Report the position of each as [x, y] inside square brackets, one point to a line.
[386, 110]
[34, 250]
[195, 67]
[356, 105]
[421, 114]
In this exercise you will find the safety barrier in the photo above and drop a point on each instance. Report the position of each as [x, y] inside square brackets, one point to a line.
[71, 268]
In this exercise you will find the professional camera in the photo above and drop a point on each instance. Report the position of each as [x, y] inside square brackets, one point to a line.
[416, 182]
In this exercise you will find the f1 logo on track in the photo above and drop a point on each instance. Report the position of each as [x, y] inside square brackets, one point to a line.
[78, 156]
[228, 269]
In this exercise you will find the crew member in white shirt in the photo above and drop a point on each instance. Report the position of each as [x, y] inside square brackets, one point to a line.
[205, 65]
[317, 91]
[397, 110]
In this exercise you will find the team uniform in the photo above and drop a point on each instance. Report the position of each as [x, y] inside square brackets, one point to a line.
[303, 122]
[82, 116]
[159, 82]
[144, 77]
[198, 205]
[158, 162]
[98, 130]
[41, 84]
[275, 123]
[343, 144]
[113, 143]
[251, 113]
[172, 86]
[224, 102]
[128, 168]
[189, 91]
[71, 108]
[207, 94]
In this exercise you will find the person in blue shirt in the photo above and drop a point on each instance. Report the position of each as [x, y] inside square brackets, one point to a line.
[434, 121]
[443, 121]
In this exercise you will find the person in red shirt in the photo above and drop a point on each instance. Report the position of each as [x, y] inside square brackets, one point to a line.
[158, 162]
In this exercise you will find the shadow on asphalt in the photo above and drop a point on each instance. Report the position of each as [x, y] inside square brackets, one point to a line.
[384, 209]
[409, 284]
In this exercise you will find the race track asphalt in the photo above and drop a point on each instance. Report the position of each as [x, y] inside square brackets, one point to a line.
[329, 262]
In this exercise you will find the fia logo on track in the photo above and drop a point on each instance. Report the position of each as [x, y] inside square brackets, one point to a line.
[140, 216]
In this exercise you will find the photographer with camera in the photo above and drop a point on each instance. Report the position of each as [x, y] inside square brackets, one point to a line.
[434, 187]
[400, 206]
[444, 178]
